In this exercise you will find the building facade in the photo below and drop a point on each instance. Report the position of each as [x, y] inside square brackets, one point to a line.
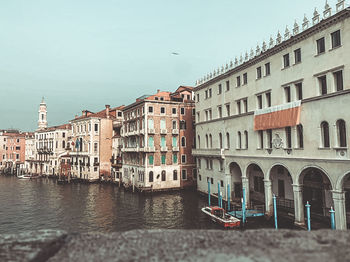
[157, 141]
[92, 135]
[276, 122]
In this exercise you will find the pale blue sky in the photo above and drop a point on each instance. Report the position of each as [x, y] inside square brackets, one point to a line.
[83, 54]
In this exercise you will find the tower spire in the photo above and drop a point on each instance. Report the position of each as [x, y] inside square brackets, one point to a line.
[42, 121]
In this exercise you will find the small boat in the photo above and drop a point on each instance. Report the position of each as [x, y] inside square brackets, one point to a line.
[24, 177]
[218, 215]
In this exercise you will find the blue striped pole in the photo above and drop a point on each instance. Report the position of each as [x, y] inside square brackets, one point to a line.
[208, 193]
[275, 210]
[228, 197]
[243, 207]
[308, 216]
[219, 202]
[332, 218]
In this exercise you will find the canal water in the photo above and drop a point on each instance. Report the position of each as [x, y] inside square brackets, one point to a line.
[43, 204]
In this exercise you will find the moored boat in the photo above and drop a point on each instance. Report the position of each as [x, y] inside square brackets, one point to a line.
[218, 215]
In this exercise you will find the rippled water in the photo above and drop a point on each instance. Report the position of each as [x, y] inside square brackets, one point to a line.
[42, 204]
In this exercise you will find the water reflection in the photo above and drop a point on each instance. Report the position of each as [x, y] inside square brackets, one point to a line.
[42, 204]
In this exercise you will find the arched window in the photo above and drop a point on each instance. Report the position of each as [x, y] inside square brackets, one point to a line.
[239, 140]
[220, 140]
[206, 141]
[151, 176]
[199, 142]
[183, 141]
[300, 136]
[227, 140]
[325, 134]
[210, 141]
[163, 175]
[341, 133]
[246, 139]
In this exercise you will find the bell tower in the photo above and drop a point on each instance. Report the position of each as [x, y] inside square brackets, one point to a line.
[42, 122]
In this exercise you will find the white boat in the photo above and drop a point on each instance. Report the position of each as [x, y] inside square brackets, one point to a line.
[218, 215]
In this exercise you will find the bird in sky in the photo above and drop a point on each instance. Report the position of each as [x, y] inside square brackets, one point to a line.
[174, 53]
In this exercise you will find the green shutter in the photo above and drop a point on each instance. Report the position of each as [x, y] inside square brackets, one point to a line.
[163, 159]
[175, 158]
[150, 160]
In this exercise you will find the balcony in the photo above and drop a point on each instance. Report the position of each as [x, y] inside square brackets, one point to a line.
[151, 131]
[175, 148]
[175, 131]
[164, 149]
[141, 149]
[214, 152]
[142, 131]
[96, 163]
[163, 131]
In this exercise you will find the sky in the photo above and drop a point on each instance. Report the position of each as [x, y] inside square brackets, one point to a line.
[84, 54]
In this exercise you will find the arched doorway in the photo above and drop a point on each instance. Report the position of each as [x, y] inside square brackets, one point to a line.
[236, 181]
[256, 192]
[282, 187]
[317, 190]
[346, 189]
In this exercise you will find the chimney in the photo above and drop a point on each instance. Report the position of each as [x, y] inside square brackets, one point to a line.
[158, 90]
[107, 110]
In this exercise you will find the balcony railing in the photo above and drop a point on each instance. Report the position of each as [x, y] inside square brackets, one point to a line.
[164, 149]
[175, 148]
[175, 131]
[151, 131]
[163, 131]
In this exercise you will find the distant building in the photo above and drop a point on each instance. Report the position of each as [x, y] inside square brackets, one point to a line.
[117, 144]
[15, 151]
[92, 137]
[29, 150]
[157, 141]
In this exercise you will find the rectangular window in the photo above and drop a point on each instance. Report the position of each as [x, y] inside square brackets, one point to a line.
[210, 92]
[238, 107]
[95, 147]
[267, 69]
[268, 99]
[227, 109]
[338, 79]
[287, 94]
[245, 78]
[258, 72]
[245, 105]
[221, 183]
[184, 174]
[193, 111]
[227, 86]
[320, 46]
[219, 111]
[261, 139]
[219, 89]
[162, 110]
[163, 175]
[259, 101]
[197, 97]
[174, 158]
[162, 141]
[174, 110]
[150, 109]
[163, 159]
[175, 175]
[297, 56]
[183, 159]
[286, 60]
[174, 141]
[221, 165]
[269, 138]
[299, 91]
[150, 160]
[182, 110]
[238, 81]
[336, 39]
[96, 127]
[322, 81]
[211, 180]
[206, 94]
[288, 137]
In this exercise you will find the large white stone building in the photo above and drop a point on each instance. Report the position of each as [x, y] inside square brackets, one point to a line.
[276, 121]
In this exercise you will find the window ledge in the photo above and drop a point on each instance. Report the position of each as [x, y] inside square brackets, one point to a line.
[260, 148]
[297, 63]
[340, 148]
[238, 86]
[320, 54]
[284, 68]
[324, 148]
[267, 75]
[298, 148]
[257, 79]
[335, 48]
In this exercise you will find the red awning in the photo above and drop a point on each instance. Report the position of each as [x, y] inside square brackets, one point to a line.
[277, 116]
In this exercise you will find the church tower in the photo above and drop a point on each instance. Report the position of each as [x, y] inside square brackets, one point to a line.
[42, 122]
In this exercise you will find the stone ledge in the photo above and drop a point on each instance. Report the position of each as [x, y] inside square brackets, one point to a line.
[174, 245]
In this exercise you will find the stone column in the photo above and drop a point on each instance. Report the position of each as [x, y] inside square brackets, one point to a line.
[299, 218]
[339, 207]
[245, 185]
[268, 198]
